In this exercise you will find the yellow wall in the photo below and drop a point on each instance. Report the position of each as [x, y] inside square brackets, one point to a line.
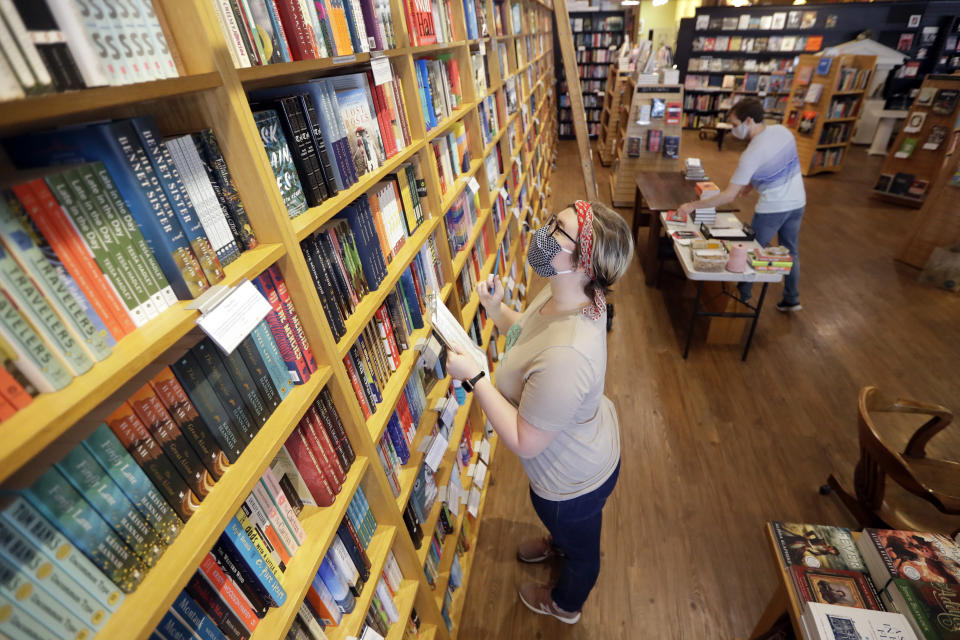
[665, 19]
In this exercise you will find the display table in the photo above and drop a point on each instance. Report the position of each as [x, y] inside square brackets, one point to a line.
[685, 258]
[886, 122]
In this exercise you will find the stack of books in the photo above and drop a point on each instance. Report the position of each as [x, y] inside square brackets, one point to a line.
[771, 259]
[706, 215]
[907, 580]
[693, 170]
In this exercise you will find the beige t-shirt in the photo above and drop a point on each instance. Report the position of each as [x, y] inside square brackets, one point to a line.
[553, 372]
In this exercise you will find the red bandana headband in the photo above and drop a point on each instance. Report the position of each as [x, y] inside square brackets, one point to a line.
[585, 224]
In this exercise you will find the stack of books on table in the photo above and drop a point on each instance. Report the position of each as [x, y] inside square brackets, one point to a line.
[835, 576]
[771, 259]
[706, 215]
[693, 170]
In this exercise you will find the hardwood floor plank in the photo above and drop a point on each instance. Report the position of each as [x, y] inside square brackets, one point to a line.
[714, 447]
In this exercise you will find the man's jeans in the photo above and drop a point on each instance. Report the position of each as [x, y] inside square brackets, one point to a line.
[786, 226]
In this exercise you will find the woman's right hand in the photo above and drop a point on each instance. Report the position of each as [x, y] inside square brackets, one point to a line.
[490, 301]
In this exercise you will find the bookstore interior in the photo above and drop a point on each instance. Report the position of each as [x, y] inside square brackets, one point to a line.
[225, 404]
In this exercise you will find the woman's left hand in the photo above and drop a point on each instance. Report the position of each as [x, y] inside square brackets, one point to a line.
[460, 365]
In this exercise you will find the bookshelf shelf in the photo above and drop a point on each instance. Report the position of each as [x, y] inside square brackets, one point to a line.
[398, 379]
[213, 95]
[372, 301]
[377, 551]
[315, 217]
[321, 524]
[51, 415]
[404, 598]
[461, 258]
[34, 110]
[142, 610]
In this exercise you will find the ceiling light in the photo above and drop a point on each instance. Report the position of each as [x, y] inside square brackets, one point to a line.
[659, 3]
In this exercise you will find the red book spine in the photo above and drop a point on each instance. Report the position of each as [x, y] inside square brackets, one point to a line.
[320, 456]
[46, 213]
[386, 335]
[12, 391]
[229, 592]
[309, 468]
[283, 333]
[292, 317]
[315, 425]
[386, 133]
[355, 382]
[297, 29]
[406, 419]
[408, 6]
[7, 410]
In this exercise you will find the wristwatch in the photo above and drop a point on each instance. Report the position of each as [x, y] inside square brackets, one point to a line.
[472, 382]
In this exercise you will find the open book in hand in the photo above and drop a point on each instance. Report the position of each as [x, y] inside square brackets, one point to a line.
[453, 333]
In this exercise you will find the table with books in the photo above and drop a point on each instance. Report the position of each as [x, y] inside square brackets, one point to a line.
[708, 265]
[879, 584]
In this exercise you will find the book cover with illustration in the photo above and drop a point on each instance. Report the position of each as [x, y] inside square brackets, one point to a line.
[932, 608]
[817, 546]
[358, 113]
[918, 556]
[281, 161]
[835, 586]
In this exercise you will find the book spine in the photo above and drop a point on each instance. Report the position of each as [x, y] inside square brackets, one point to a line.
[310, 622]
[317, 274]
[322, 147]
[291, 314]
[178, 405]
[319, 454]
[44, 275]
[74, 28]
[283, 506]
[234, 566]
[229, 592]
[33, 358]
[171, 439]
[323, 603]
[36, 529]
[257, 369]
[291, 481]
[331, 420]
[282, 331]
[219, 173]
[245, 384]
[109, 452]
[213, 605]
[236, 541]
[148, 454]
[297, 29]
[35, 601]
[188, 372]
[19, 625]
[257, 516]
[236, 34]
[281, 533]
[339, 448]
[223, 386]
[90, 480]
[30, 559]
[322, 438]
[358, 390]
[173, 628]
[270, 352]
[260, 543]
[309, 468]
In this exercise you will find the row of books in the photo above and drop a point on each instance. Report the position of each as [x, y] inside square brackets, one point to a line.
[475, 14]
[461, 219]
[656, 142]
[844, 107]
[452, 155]
[836, 133]
[597, 56]
[772, 65]
[439, 84]
[48, 46]
[784, 44]
[590, 101]
[702, 101]
[455, 580]
[489, 122]
[916, 574]
[260, 32]
[853, 79]
[393, 449]
[902, 184]
[376, 354]
[323, 135]
[469, 276]
[80, 269]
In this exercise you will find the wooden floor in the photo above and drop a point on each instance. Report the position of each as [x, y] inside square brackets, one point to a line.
[713, 447]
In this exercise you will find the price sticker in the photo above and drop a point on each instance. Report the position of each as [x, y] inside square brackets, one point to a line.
[381, 71]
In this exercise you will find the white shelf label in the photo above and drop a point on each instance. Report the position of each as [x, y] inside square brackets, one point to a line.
[344, 59]
[435, 453]
[235, 317]
[473, 185]
[381, 71]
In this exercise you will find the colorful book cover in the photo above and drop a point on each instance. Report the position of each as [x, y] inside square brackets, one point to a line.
[357, 111]
[835, 586]
[281, 161]
[925, 557]
[817, 546]
[933, 608]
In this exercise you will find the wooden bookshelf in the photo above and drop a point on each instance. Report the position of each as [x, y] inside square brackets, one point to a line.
[212, 93]
[824, 126]
[609, 136]
[910, 180]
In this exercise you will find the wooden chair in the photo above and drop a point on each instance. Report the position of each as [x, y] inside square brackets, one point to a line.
[936, 481]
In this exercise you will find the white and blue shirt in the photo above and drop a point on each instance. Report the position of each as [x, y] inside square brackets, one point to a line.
[770, 163]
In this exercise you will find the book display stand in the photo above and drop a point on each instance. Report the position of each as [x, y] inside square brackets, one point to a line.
[211, 93]
[913, 170]
[650, 128]
[608, 140]
[825, 101]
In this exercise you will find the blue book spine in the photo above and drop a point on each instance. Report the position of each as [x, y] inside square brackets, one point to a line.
[115, 145]
[341, 132]
[199, 622]
[355, 554]
[378, 256]
[351, 214]
[30, 597]
[413, 303]
[173, 629]
[337, 585]
[278, 29]
[234, 536]
[39, 531]
[20, 625]
[268, 350]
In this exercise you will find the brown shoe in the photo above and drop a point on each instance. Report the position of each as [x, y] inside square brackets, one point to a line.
[538, 599]
[537, 550]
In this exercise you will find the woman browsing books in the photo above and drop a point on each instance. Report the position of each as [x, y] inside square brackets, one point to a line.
[548, 405]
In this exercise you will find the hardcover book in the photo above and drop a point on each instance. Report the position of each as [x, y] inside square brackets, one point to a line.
[281, 161]
[817, 546]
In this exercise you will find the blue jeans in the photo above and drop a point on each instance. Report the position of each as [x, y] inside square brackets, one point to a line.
[575, 527]
[786, 226]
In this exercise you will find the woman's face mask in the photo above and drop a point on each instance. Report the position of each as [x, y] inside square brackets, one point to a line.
[545, 248]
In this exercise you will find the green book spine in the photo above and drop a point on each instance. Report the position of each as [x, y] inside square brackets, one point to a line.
[246, 385]
[90, 181]
[20, 625]
[223, 386]
[39, 531]
[83, 472]
[21, 246]
[133, 231]
[32, 599]
[31, 560]
[53, 496]
[110, 454]
[34, 359]
[18, 287]
[92, 220]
